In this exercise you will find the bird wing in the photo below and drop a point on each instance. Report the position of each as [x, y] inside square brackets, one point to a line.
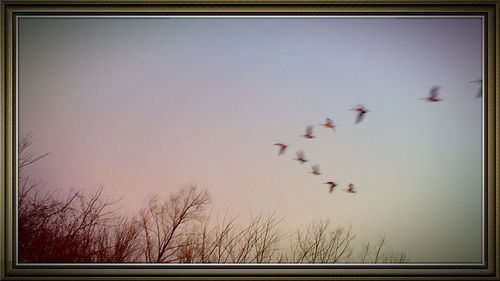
[359, 118]
[479, 93]
[309, 130]
[434, 91]
[477, 81]
[300, 154]
[282, 149]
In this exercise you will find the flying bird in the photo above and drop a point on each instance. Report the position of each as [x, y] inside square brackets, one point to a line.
[315, 170]
[309, 132]
[361, 110]
[329, 124]
[282, 148]
[331, 184]
[433, 95]
[350, 189]
[300, 157]
[480, 91]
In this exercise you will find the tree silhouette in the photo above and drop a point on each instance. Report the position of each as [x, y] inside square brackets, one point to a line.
[377, 254]
[321, 243]
[163, 224]
[226, 242]
[75, 228]
[86, 228]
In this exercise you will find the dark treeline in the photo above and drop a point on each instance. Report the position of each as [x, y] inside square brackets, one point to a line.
[80, 228]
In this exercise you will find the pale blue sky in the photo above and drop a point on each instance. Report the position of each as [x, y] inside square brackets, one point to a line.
[150, 105]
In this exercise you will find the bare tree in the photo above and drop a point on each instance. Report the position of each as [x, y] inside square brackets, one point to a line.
[163, 224]
[75, 228]
[257, 242]
[119, 242]
[321, 243]
[205, 244]
[80, 227]
[226, 242]
[377, 254]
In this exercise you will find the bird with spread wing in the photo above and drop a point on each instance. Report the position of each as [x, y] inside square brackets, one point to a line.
[282, 148]
[331, 185]
[309, 132]
[361, 110]
[433, 95]
[315, 170]
[350, 188]
[328, 124]
[300, 157]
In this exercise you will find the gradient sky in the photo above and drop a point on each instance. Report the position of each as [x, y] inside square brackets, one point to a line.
[151, 105]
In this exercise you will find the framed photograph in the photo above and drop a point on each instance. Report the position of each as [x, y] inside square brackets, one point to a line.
[269, 140]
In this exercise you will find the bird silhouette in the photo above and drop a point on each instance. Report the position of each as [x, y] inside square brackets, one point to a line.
[433, 95]
[329, 124]
[331, 184]
[300, 157]
[309, 132]
[282, 148]
[480, 91]
[315, 170]
[350, 188]
[361, 110]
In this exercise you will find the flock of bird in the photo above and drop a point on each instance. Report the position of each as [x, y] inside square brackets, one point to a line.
[361, 112]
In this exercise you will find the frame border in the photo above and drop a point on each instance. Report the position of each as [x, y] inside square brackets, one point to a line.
[11, 9]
